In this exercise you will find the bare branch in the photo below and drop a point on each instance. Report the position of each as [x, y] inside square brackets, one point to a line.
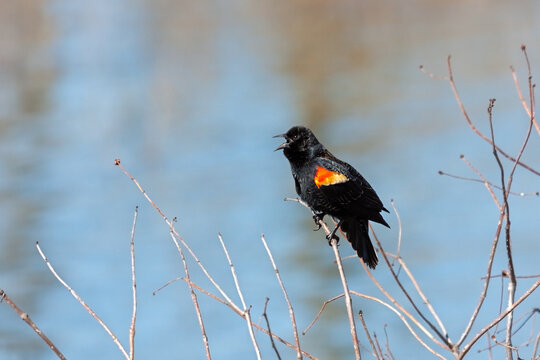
[512, 274]
[528, 110]
[486, 283]
[508, 310]
[444, 337]
[411, 330]
[373, 348]
[535, 352]
[242, 315]
[517, 276]
[378, 345]
[81, 301]
[400, 227]
[450, 79]
[246, 309]
[488, 183]
[522, 98]
[26, 318]
[320, 312]
[172, 228]
[291, 311]
[421, 293]
[166, 284]
[193, 296]
[402, 309]
[134, 288]
[432, 75]
[348, 300]
[268, 326]
[389, 352]
[490, 353]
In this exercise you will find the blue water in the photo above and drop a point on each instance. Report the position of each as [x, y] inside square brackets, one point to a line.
[188, 96]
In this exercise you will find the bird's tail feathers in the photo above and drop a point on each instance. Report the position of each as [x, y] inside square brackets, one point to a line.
[358, 235]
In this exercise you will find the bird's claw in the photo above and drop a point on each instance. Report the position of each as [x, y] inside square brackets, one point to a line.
[317, 220]
[331, 237]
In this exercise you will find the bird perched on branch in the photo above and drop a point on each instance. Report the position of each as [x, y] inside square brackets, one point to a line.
[332, 187]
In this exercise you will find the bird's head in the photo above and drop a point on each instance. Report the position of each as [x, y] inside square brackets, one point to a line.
[300, 144]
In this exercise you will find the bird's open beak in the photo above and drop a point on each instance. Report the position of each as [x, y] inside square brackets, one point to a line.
[282, 146]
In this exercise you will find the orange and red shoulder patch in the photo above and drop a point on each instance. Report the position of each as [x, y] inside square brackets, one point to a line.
[324, 177]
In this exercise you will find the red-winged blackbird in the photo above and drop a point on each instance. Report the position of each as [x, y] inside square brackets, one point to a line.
[332, 187]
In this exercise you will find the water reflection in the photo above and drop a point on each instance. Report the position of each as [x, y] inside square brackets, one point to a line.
[188, 94]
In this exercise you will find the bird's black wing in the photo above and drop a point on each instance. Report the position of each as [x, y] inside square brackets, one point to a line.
[297, 184]
[348, 190]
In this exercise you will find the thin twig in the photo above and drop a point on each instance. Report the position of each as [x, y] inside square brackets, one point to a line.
[501, 297]
[193, 297]
[490, 353]
[512, 275]
[511, 271]
[246, 309]
[450, 79]
[400, 227]
[403, 319]
[485, 182]
[444, 337]
[534, 356]
[510, 348]
[26, 318]
[522, 98]
[348, 300]
[81, 301]
[402, 309]
[378, 345]
[269, 330]
[432, 75]
[166, 284]
[517, 276]
[320, 312]
[423, 296]
[483, 294]
[242, 315]
[373, 348]
[532, 110]
[529, 111]
[227, 300]
[508, 310]
[527, 316]
[389, 352]
[372, 298]
[134, 288]
[172, 228]
[286, 296]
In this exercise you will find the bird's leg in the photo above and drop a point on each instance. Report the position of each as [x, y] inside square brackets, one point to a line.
[333, 234]
[317, 217]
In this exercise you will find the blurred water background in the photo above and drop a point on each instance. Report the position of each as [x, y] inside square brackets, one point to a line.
[188, 95]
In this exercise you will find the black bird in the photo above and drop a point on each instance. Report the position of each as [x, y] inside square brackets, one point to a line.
[332, 187]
